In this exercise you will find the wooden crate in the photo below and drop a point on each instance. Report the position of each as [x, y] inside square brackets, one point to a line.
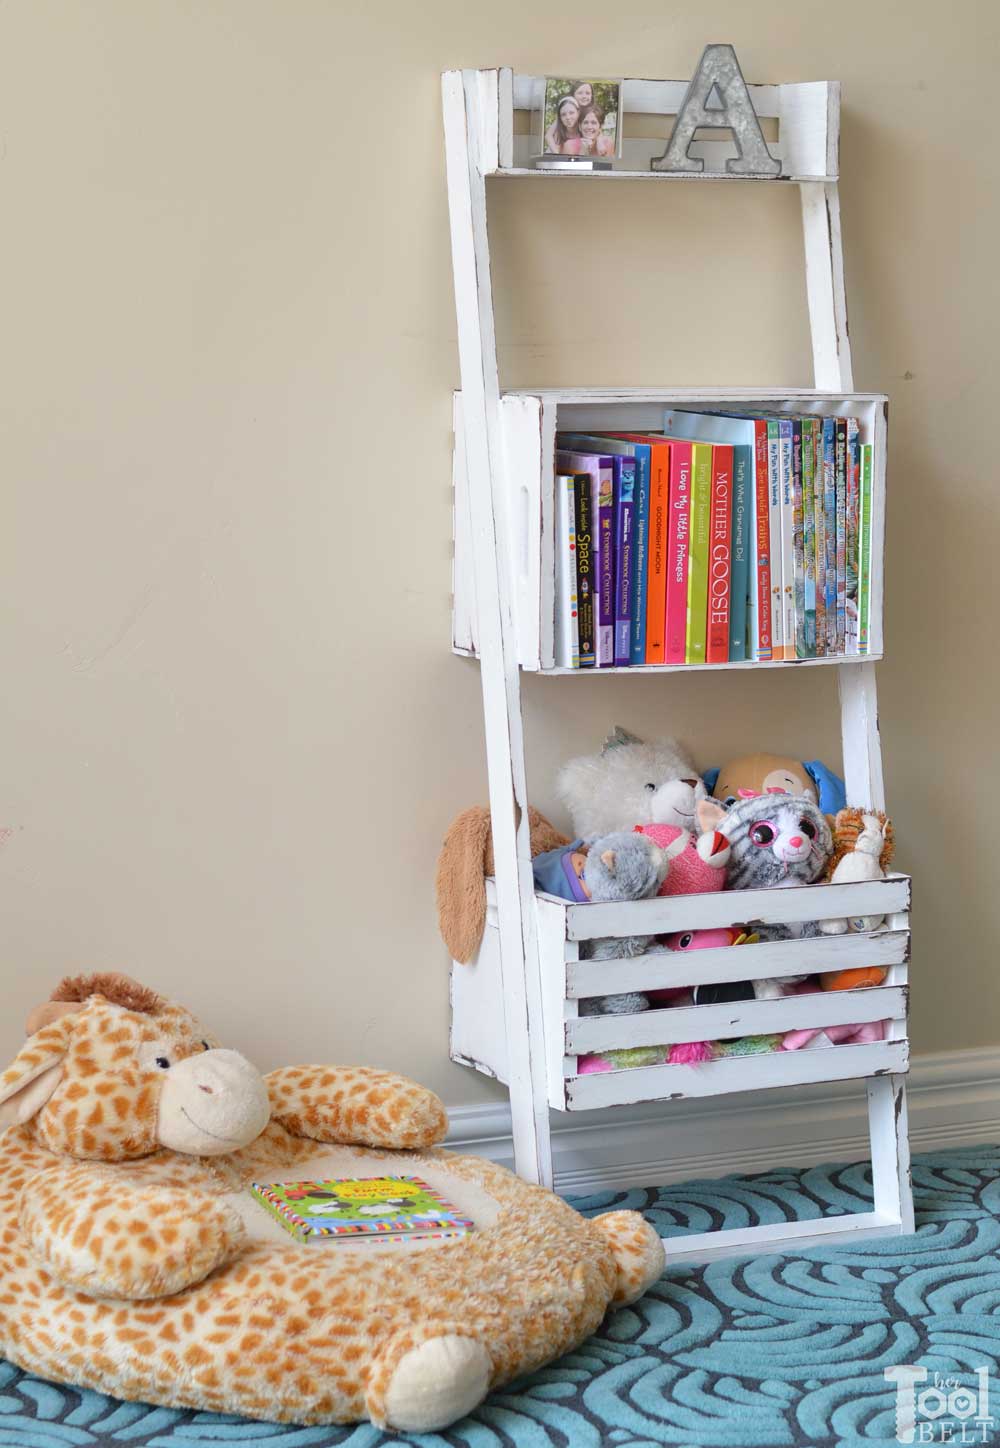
[477, 1037]
[529, 421]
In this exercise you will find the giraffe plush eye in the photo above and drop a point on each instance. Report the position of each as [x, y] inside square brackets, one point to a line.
[651, 788]
[163, 1062]
[762, 834]
[206, 1045]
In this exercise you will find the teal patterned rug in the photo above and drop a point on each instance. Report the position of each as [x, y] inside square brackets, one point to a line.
[755, 1353]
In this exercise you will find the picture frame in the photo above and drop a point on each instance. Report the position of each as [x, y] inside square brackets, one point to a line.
[581, 119]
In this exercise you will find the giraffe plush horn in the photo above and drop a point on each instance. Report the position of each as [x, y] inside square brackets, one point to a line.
[34, 1074]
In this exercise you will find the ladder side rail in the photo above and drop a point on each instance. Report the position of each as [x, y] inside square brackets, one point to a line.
[859, 728]
[496, 626]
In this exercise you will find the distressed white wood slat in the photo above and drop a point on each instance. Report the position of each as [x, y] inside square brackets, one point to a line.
[524, 1026]
[463, 587]
[827, 326]
[524, 469]
[809, 119]
[794, 396]
[772, 1238]
[634, 669]
[505, 137]
[552, 945]
[667, 914]
[735, 1073]
[662, 969]
[477, 1012]
[705, 178]
[739, 1018]
[651, 97]
[486, 153]
[862, 751]
[890, 1149]
[547, 544]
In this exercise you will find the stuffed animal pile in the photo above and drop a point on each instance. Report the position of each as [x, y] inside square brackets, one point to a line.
[134, 1261]
[644, 823]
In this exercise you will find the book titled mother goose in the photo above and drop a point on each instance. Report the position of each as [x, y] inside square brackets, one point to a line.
[388, 1208]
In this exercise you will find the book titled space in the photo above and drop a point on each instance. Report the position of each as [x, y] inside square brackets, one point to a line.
[386, 1208]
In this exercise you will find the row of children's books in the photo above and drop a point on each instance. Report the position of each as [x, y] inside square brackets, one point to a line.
[727, 537]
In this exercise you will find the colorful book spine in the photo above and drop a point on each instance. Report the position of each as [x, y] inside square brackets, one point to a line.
[622, 445]
[761, 583]
[840, 465]
[567, 617]
[819, 523]
[624, 489]
[798, 545]
[865, 552]
[585, 569]
[830, 532]
[742, 518]
[605, 515]
[701, 509]
[853, 518]
[720, 560]
[774, 525]
[808, 538]
[656, 566]
[678, 553]
[640, 555]
[785, 431]
[572, 461]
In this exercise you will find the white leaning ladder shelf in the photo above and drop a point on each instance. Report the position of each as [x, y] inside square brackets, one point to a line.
[515, 1008]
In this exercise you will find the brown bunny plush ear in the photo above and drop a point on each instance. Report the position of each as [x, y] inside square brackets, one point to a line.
[460, 883]
[465, 860]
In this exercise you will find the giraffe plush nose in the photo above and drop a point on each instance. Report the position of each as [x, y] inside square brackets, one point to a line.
[211, 1103]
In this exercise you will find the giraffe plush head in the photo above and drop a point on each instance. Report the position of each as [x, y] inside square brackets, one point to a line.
[112, 1071]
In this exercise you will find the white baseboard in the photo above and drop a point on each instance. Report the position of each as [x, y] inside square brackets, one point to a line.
[954, 1100]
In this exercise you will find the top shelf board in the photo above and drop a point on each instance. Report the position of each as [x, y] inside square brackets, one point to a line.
[807, 115]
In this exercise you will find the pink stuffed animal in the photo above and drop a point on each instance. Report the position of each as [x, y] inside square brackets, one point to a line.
[697, 862]
[811, 1040]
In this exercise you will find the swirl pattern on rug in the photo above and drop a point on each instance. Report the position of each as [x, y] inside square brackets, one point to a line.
[748, 1353]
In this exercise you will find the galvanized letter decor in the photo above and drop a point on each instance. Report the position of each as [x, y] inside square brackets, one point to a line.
[718, 72]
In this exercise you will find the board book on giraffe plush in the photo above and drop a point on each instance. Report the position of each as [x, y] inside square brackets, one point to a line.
[389, 1208]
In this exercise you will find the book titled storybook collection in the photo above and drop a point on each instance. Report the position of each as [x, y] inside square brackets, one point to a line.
[728, 537]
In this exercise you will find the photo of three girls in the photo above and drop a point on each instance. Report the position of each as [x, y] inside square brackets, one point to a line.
[581, 118]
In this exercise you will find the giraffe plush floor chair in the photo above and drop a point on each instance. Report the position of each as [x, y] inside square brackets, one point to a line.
[134, 1261]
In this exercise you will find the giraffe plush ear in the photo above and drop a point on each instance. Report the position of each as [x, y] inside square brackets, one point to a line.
[34, 1074]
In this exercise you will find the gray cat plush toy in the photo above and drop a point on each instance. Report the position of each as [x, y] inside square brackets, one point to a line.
[621, 866]
[776, 840]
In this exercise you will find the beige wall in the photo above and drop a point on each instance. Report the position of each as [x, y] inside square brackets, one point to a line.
[231, 733]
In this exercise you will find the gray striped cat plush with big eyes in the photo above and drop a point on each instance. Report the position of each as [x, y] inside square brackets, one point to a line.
[776, 840]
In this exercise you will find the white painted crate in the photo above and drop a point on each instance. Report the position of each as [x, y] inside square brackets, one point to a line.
[477, 1036]
[529, 421]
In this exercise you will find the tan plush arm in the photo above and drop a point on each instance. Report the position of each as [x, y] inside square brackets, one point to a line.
[356, 1106]
[110, 1238]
